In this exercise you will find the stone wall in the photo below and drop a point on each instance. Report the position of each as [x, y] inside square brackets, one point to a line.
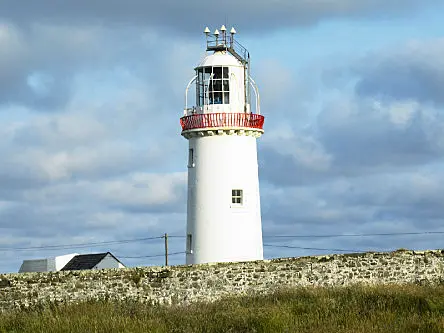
[185, 284]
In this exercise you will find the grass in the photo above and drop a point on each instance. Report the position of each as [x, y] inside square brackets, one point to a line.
[356, 309]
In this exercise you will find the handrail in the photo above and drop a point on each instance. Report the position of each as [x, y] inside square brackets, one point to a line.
[228, 44]
[256, 92]
[186, 91]
[231, 120]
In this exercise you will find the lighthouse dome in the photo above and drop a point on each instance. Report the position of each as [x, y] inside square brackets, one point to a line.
[219, 58]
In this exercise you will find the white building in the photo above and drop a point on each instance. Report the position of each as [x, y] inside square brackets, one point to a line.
[52, 264]
[223, 209]
[72, 262]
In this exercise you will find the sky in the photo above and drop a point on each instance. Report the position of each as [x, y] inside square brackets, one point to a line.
[91, 93]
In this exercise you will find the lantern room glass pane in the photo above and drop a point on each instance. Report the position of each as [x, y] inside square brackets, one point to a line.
[217, 98]
[226, 98]
[217, 72]
[225, 72]
[216, 85]
[226, 85]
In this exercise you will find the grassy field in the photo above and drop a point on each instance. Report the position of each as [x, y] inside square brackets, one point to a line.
[390, 309]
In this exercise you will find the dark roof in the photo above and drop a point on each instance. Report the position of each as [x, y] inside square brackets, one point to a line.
[85, 261]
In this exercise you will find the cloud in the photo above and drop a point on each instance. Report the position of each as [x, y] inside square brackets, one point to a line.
[414, 71]
[368, 162]
[131, 207]
[378, 203]
[356, 132]
[190, 16]
[108, 161]
[102, 162]
[141, 192]
[37, 62]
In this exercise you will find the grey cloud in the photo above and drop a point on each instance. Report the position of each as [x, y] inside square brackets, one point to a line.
[415, 71]
[31, 168]
[381, 126]
[42, 66]
[380, 203]
[190, 15]
[360, 143]
[37, 63]
[369, 135]
[84, 212]
[144, 193]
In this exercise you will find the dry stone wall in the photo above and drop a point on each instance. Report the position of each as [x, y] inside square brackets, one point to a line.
[209, 282]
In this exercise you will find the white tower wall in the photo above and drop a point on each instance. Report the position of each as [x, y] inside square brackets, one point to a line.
[222, 231]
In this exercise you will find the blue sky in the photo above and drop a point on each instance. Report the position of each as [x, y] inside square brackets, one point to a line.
[91, 93]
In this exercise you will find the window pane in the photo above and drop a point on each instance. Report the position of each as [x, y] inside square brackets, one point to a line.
[226, 98]
[206, 75]
[217, 98]
[217, 85]
[225, 72]
[189, 243]
[217, 72]
[226, 85]
[207, 94]
[191, 158]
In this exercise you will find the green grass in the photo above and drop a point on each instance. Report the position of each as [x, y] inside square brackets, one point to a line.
[390, 309]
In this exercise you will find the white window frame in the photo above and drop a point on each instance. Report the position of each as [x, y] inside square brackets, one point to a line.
[237, 194]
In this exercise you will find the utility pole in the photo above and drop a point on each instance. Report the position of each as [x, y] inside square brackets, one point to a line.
[166, 249]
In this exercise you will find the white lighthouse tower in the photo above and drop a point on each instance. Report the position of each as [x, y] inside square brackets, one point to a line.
[223, 211]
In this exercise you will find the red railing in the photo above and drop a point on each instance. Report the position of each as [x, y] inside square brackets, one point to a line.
[210, 120]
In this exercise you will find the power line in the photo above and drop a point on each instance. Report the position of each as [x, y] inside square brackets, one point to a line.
[312, 248]
[357, 235]
[78, 245]
[345, 235]
[152, 256]
[96, 244]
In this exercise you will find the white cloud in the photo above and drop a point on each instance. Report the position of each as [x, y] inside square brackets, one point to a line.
[142, 190]
[305, 150]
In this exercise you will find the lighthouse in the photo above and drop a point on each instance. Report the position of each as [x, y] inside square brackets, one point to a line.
[223, 205]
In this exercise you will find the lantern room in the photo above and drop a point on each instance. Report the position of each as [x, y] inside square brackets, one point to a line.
[222, 79]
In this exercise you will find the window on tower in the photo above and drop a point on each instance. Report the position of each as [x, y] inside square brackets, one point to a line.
[237, 197]
[213, 85]
[191, 158]
[189, 243]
